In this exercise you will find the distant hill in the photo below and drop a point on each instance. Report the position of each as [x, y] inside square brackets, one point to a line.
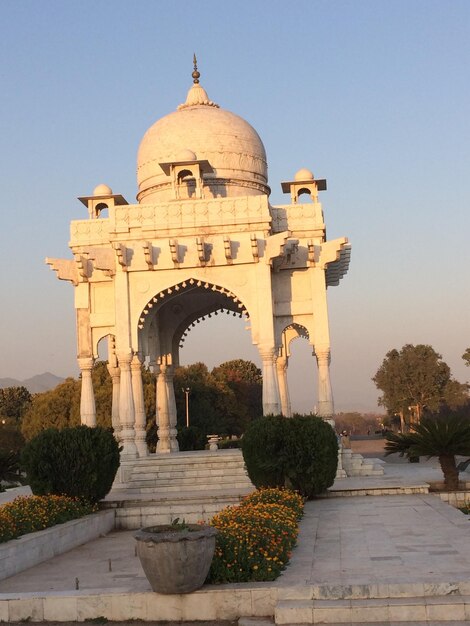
[35, 384]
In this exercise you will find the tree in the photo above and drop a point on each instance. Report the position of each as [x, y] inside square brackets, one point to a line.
[60, 407]
[14, 401]
[57, 408]
[239, 371]
[245, 380]
[442, 436]
[466, 357]
[211, 401]
[414, 380]
[358, 423]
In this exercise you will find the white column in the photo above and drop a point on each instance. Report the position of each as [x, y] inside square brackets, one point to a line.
[174, 447]
[126, 408]
[139, 406]
[271, 402]
[325, 394]
[115, 374]
[281, 366]
[87, 397]
[163, 443]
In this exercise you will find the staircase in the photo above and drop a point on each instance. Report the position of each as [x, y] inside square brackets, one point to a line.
[190, 485]
[194, 471]
[354, 464]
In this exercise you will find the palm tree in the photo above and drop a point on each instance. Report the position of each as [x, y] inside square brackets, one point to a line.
[441, 436]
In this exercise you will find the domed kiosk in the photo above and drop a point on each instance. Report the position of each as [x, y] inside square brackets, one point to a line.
[203, 237]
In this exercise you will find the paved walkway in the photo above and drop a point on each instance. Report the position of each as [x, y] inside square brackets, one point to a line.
[360, 540]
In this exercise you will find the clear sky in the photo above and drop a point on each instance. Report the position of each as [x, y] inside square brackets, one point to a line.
[371, 94]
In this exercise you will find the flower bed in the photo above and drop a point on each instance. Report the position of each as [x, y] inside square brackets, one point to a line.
[27, 514]
[256, 538]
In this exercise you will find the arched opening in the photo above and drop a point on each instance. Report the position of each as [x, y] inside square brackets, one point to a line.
[296, 371]
[302, 376]
[102, 349]
[304, 196]
[186, 183]
[99, 208]
[188, 330]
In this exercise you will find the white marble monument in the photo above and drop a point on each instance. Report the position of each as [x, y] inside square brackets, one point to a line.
[203, 237]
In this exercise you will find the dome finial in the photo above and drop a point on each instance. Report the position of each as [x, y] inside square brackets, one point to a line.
[195, 73]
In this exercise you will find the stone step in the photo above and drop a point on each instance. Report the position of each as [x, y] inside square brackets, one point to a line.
[355, 464]
[196, 470]
[198, 457]
[143, 465]
[190, 485]
[185, 473]
[365, 472]
[379, 491]
[374, 610]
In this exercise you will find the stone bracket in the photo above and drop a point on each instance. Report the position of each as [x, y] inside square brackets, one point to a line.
[121, 254]
[81, 262]
[174, 252]
[255, 247]
[103, 259]
[66, 269]
[275, 246]
[201, 251]
[330, 251]
[228, 249]
[148, 253]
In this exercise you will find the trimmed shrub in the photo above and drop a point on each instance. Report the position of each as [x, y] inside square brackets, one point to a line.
[79, 462]
[263, 447]
[301, 452]
[192, 438]
[230, 444]
[255, 539]
[310, 455]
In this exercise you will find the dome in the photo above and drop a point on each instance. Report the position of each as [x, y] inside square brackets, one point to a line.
[102, 190]
[303, 175]
[232, 148]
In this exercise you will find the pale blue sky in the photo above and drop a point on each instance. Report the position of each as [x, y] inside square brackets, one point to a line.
[372, 95]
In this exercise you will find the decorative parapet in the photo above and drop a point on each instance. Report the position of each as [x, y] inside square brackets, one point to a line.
[171, 218]
[298, 218]
[89, 232]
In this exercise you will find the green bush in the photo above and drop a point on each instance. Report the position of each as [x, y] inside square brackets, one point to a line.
[79, 462]
[11, 442]
[9, 466]
[230, 444]
[301, 451]
[310, 455]
[263, 447]
[191, 438]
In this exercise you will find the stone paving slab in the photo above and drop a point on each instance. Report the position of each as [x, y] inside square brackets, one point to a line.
[385, 540]
[343, 541]
[362, 547]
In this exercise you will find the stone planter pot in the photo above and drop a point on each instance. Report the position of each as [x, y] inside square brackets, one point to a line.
[176, 560]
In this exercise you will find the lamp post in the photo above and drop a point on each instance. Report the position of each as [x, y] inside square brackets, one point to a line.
[186, 392]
